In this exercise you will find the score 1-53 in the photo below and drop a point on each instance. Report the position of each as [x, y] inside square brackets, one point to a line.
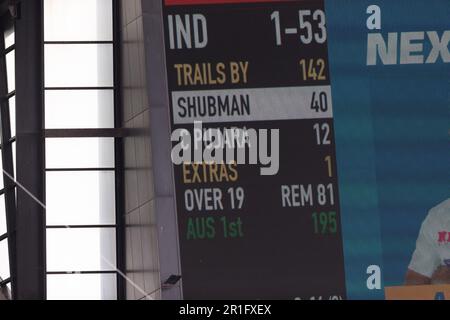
[190, 31]
[311, 27]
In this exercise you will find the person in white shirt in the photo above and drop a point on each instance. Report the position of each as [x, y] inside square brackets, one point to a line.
[430, 263]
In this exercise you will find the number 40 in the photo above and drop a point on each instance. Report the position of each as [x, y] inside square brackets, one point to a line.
[319, 102]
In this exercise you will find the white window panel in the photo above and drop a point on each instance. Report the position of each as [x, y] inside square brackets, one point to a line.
[79, 65]
[3, 228]
[78, 20]
[9, 37]
[4, 260]
[82, 287]
[12, 115]
[81, 249]
[13, 147]
[1, 172]
[80, 198]
[11, 70]
[79, 109]
[79, 153]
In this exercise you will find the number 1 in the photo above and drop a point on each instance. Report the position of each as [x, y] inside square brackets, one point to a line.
[329, 165]
[276, 18]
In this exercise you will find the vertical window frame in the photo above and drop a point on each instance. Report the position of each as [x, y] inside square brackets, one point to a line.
[118, 168]
[8, 165]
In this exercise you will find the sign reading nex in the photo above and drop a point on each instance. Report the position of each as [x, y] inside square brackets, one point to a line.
[404, 47]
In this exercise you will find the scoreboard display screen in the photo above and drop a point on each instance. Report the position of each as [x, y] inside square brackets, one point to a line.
[310, 145]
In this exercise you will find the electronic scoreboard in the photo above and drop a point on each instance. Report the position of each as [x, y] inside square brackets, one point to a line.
[341, 110]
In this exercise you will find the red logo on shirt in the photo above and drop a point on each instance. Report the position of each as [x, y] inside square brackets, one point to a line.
[443, 237]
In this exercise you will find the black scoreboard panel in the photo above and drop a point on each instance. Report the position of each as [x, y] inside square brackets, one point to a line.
[248, 32]
[245, 235]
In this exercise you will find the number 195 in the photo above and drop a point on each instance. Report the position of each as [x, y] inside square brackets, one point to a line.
[325, 222]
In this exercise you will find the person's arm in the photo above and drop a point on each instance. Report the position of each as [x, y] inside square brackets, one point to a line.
[441, 275]
[425, 260]
[413, 278]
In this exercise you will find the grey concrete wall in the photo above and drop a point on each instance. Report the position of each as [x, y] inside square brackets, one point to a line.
[141, 248]
[156, 75]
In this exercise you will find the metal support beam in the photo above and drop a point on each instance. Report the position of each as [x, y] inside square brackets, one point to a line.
[119, 158]
[86, 133]
[30, 220]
